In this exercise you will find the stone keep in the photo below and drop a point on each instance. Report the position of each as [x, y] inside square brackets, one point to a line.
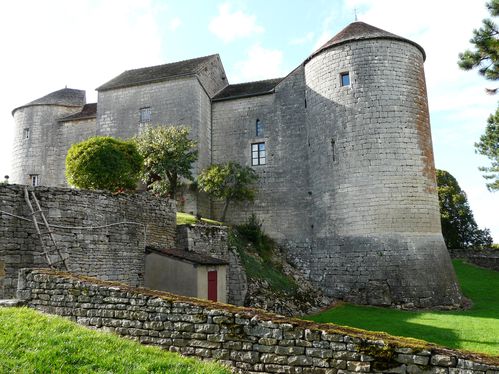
[347, 180]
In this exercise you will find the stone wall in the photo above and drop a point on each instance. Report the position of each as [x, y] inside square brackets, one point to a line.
[212, 241]
[486, 258]
[87, 228]
[249, 340]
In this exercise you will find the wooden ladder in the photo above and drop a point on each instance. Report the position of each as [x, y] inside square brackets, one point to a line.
[49, 253]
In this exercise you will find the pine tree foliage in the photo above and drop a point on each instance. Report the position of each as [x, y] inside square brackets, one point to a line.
[459, 227]
[485, 57]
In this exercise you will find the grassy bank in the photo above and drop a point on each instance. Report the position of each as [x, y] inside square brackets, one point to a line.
[476, 329]
[31, 342]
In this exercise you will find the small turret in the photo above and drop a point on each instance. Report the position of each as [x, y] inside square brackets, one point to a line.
[35, 135]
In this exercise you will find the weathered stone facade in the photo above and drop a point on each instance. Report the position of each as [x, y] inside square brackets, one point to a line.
[347, 181]
[249, 340]
[101, 235]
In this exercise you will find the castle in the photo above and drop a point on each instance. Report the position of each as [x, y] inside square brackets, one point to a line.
[342, 147]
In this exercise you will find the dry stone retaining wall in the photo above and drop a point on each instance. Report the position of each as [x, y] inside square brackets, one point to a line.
[249, 340]
[486, 258]
[109, 252]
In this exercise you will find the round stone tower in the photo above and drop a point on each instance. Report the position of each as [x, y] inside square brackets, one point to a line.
[36, 136]
[375, 216]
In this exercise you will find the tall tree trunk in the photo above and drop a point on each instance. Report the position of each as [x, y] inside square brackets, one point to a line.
[226, 207]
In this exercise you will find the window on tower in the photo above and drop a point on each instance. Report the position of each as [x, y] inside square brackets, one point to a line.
[26, 133]
[145, 115]
[345, 79]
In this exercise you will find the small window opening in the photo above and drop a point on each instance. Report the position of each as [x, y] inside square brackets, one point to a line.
[26, 133]
[34, 180]
[258, 154]
[345, 79]
[333, 149]
[259, 128]
[145, 115]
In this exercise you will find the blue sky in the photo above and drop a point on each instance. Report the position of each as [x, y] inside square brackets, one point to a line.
[50, 44]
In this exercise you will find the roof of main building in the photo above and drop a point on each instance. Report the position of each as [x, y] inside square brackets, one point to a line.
[235, 91]
[362, 31]
[156, 73]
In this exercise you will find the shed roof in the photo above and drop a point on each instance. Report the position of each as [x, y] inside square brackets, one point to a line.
[88, 111]
[156, 73]
[189, 256]
[362, 31]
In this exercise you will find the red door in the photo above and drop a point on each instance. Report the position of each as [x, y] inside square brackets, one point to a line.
[212, 285]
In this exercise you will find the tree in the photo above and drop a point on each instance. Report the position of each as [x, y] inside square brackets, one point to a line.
[230, 182]
[458, 224]
[485, 57]
[168, 155]
[103, 163]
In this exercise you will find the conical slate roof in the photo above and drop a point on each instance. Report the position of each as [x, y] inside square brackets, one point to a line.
[362, 31]
[66, 96]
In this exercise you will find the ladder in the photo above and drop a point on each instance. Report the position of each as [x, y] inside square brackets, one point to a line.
[59, 262]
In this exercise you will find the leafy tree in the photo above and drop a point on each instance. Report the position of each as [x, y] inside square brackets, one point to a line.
[485, 57]
[103, 163]
[458, 224]
[168, 156]
[230, 182]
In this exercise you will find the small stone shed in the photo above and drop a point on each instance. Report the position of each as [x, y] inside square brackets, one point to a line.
[186, 273]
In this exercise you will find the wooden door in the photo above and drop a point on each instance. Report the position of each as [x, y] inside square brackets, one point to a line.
[212, 285]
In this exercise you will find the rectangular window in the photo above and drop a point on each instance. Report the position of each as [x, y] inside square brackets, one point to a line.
[26, 133]
[259, 128]
[145, 115]
[345, 79]
[34, 180]
[258, 154]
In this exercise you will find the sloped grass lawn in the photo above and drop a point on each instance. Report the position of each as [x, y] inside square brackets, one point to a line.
[476, 329]
[185, 218]
[31, 342]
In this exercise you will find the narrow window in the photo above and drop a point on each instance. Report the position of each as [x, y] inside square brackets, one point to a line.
[258, 155]
[333, 149]
[26, 133]
[145, 115]
[259, 128]
[34, 180]
[345, 79]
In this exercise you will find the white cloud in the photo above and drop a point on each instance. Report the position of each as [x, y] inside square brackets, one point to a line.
[78, 44]
[230, 26]
[175, 24]
[261, 63]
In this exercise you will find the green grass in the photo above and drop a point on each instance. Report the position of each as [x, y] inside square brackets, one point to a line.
[31, 342]
[476, 329]
[185, 218]
[257, 264]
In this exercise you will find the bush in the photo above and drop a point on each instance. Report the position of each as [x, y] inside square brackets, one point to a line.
[103, 163]
[252, 232]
